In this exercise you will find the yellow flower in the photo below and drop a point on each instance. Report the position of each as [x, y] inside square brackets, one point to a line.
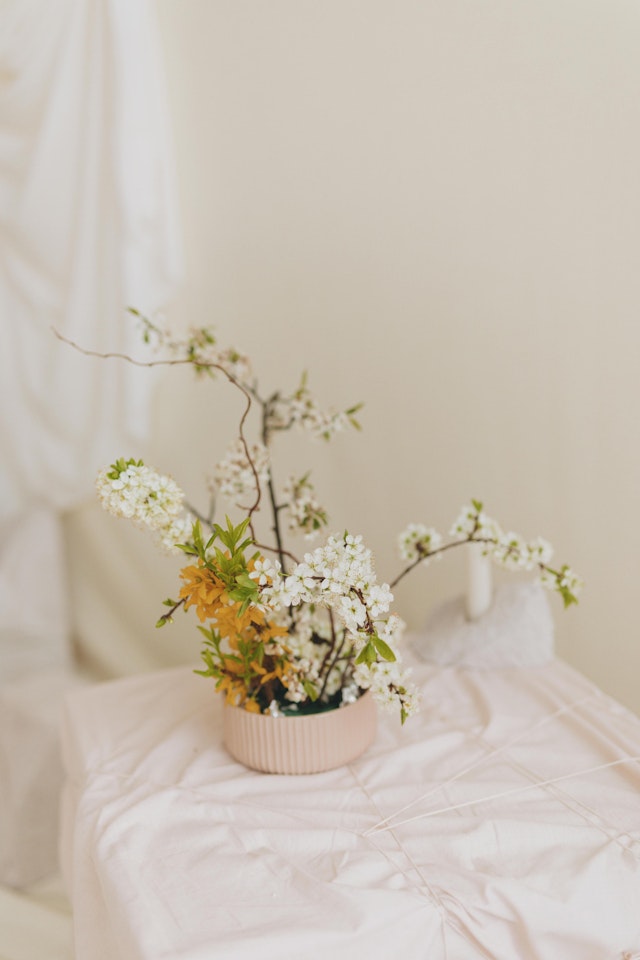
[232, 624]
[203, 590]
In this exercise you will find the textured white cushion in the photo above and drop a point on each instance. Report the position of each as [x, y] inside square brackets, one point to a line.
[517, 631]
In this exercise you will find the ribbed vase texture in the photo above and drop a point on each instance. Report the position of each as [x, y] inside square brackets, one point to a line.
[308, 744]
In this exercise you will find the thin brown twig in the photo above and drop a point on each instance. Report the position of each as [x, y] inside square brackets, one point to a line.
[181, 361]
[327, 656]
[168, 617]
[278, 550]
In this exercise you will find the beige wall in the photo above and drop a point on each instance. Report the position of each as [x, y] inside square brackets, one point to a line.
[434, 207]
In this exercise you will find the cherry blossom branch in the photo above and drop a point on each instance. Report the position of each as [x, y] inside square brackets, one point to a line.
[493, 541]
[202, 364]
[423, 555]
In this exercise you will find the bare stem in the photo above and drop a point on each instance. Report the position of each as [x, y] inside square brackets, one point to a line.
[334, 660]
[201, 364]
[275, 510]
[199, 516]
[327, 656]
[278, 550]
[168, 616]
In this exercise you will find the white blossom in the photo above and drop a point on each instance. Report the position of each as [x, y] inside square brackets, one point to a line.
[391, 631]
[331, 606]
[565, 581]
[233, 476]
[304, 412]
[178, 530]
[305, 513]
[473, 522]
[390, 686]
[136, 492]
[235, 364]
[568, 580]
[199, 348]
[540, 551]
[340, 575]
[265, 571]
[512, 552]
[416, 541]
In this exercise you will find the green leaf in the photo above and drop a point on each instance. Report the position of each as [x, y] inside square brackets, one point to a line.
[477, 505]
[161, 622]
[169, 603]
[367, 654]
[187, 548]
[232, 536]
[567, 597]
[403, 715]
[383, 648]
[244, 580]
[310, 690]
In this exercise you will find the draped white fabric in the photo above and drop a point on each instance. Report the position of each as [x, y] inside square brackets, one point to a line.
[513, 830]
[88, 213]
[88, 226]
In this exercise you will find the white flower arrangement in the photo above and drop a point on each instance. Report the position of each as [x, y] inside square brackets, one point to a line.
[282, 634]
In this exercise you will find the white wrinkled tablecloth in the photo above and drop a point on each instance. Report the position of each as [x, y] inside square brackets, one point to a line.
[173, 851]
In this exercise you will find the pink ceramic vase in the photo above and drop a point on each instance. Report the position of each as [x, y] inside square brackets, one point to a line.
[308, 744]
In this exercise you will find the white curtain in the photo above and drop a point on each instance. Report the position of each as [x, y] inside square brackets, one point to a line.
[88, 226]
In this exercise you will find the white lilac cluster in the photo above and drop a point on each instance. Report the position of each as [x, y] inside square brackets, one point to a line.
[233, 476]
[306, 516]
[418, 541]
[131, 490]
